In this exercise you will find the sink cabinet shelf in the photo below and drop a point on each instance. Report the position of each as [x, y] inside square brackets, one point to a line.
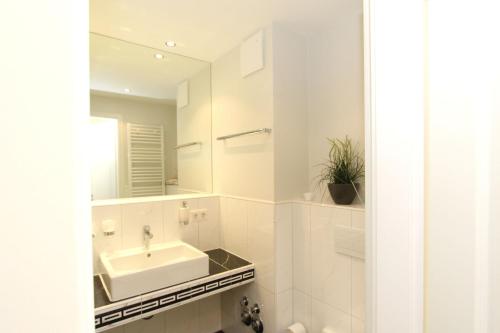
[227, 271]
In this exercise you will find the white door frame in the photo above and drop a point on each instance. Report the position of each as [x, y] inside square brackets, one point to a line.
[394, 118]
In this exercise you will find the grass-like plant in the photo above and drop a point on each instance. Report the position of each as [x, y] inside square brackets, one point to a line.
[345, 164]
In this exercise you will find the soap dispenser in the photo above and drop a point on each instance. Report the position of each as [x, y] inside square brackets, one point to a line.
[184, 213]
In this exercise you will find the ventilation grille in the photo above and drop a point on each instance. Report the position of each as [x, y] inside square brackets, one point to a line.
[145, 160]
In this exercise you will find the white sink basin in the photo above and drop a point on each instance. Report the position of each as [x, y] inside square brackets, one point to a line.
[136, 271]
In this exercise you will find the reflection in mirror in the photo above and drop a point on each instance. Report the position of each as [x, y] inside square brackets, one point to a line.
[150, 127]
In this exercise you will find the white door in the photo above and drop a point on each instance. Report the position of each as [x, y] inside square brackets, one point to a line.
[104, 157]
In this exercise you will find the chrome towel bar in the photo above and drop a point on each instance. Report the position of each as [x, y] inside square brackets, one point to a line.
[257, 131]
[187, 145]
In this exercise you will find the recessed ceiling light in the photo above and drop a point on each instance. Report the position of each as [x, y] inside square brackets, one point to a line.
[159, 56]
[170, 43]
[127, 90]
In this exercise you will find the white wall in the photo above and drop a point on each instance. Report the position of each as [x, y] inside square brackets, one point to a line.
[45, 178]
[194, 124]
[462, 293]
[243, 166]
[335, 88]
[141, 111]
[494, 256]
[260, 232]
[328, 287]
[290, 114]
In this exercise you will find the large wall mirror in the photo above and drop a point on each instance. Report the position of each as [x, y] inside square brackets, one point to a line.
[150, 127]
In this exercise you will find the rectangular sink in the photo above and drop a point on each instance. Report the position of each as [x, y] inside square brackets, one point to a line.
[136, 271]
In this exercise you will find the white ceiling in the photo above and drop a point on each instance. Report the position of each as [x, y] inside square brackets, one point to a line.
[116, 65]
[206, 29]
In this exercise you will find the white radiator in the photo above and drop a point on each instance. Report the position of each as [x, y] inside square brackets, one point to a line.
[146, 173]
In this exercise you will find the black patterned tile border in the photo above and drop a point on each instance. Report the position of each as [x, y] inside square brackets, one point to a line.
[164, 302]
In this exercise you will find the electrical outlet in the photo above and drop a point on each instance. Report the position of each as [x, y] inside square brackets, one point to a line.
[198, 215]
[203, 214]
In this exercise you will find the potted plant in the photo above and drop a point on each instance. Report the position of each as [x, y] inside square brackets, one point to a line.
[342, 171]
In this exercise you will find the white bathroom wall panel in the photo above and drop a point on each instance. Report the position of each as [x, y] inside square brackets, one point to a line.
[234, 230]
[243, 166]
[330, 272]
[326, 316]
[261, 232]
[45, 175]
[193, 125]
[328, 287]
[302, 309]
[290, 114]
[284, 247]
[457, 107]
[302, 258]
[335, 88]
[231, 322]
[248, 231]
[494, 241]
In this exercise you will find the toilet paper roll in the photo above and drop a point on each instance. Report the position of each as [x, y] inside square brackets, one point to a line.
[327, 330]
[296, 328]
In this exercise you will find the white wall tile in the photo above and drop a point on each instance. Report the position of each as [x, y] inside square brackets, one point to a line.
[210, 314]
[267, 303]
[301, 248]
[302, 311]
[341, 216]
[231, 308]
[209, 227]
[103, 243]
[261, 245]
[358, 219]
[173, 229]
[324, 316]
[135, 217]
[358, 288]
[234, 226]
[230, 311]
[284, 247]
[284, 310]
[331, 272]
[183, 319]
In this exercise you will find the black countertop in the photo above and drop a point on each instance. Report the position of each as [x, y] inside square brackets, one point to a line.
[220, 261]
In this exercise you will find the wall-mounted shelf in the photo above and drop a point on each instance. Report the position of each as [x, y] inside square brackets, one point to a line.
[257, 131]
[189, 144]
